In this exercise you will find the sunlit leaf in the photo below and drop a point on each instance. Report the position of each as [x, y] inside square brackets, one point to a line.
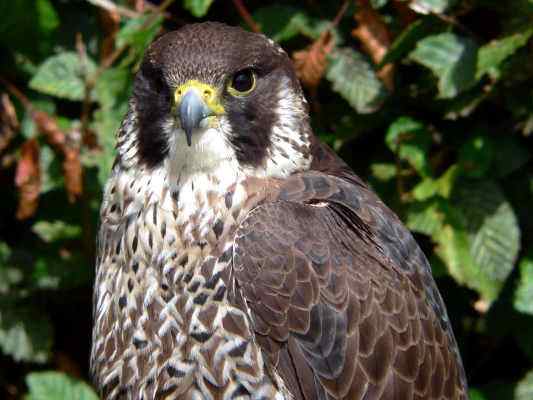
[523, 299]
[451, 58]
[63, 76]
[431, 6]
[51, 385]
[524, 388]
[491, 55]
[198, 8]
[56, 230]
[426, 217]
[355, 80]
[25, 334]
[410, 140]
[493, 233]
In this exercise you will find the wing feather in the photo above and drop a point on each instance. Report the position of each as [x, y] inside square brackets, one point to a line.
[341, 297]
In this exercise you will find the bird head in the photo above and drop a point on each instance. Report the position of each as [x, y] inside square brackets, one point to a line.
[211, 94]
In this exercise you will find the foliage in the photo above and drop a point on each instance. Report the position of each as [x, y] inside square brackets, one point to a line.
[430, 101]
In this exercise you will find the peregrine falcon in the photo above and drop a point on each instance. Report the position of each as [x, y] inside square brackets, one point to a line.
[238, 257]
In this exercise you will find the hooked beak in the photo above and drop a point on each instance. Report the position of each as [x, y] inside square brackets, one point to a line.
[194, 102]
[192, 110]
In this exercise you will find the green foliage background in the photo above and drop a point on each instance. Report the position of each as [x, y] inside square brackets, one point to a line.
[449, 148]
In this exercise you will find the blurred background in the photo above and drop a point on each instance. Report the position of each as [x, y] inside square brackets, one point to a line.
[430, 101]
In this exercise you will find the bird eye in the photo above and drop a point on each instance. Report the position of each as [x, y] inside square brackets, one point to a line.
[242, 83]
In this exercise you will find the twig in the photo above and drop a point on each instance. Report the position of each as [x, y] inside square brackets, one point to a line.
[17, 93]
[340, 14]
[86, 105]
[246, 16]
[112, 7]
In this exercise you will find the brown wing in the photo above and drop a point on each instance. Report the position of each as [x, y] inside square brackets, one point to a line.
[341, 297]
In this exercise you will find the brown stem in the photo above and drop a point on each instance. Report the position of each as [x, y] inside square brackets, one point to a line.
[86, 105]
[246, 16]
[17, 93]
[340, 14]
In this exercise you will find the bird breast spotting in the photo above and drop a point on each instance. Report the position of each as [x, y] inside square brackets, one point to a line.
[239, 257]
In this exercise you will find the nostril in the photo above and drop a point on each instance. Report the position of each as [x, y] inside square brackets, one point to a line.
[207, 93]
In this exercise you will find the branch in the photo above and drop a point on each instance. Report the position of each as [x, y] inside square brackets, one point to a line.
[246, 16]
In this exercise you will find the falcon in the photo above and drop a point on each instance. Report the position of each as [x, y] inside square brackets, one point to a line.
[238, 257]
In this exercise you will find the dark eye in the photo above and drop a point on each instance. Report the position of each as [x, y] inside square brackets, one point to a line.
[243, 82]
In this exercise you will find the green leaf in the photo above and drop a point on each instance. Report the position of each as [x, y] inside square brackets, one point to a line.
[63, 76]
[56, 230]
[493, 54]
[383, 172]
[406, 41]
[51, 385]
[431, 6]
[198, 8]
[25, 334]
[523, 296]
[451, 58]
[475, 156]
[137, 35]
[524, 388]
[355, 80]
[410, 140]
[113, 87]
[426, 217]
[475, 394]
[9, 276]
[493, 234]
[282, 23]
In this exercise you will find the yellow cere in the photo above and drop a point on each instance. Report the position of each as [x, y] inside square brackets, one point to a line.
[209, 94]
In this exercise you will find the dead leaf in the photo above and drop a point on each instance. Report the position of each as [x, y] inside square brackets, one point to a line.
[311, 63]
[47, 125]
[72, 172]
[68, 148]
[375, 38]
[110, 24]
[9, 124]
[28, 179]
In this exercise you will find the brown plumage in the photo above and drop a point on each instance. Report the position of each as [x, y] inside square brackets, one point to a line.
[253, 263]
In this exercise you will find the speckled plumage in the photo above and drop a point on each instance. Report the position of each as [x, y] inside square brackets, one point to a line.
[254, 264]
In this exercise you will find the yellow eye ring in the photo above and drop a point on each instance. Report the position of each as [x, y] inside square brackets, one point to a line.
[242, 83]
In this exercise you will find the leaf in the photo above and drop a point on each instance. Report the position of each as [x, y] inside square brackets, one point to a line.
[410, 140]
[73, 173]
[198, 8]
[407, 40]
[375, 37]
[63, 76]
[9, 276]
[523, 296]
[493, 233]
[475, 394]
[56, 230]
[493, 54]
[426, 217]
[431, 6]
[279, 22]
[25, 334]
[383, 172]
[51, 385]
[28, 179]
[524, 388]
[137, 35]
[311, 63]
[355, 80]
[451, 58]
